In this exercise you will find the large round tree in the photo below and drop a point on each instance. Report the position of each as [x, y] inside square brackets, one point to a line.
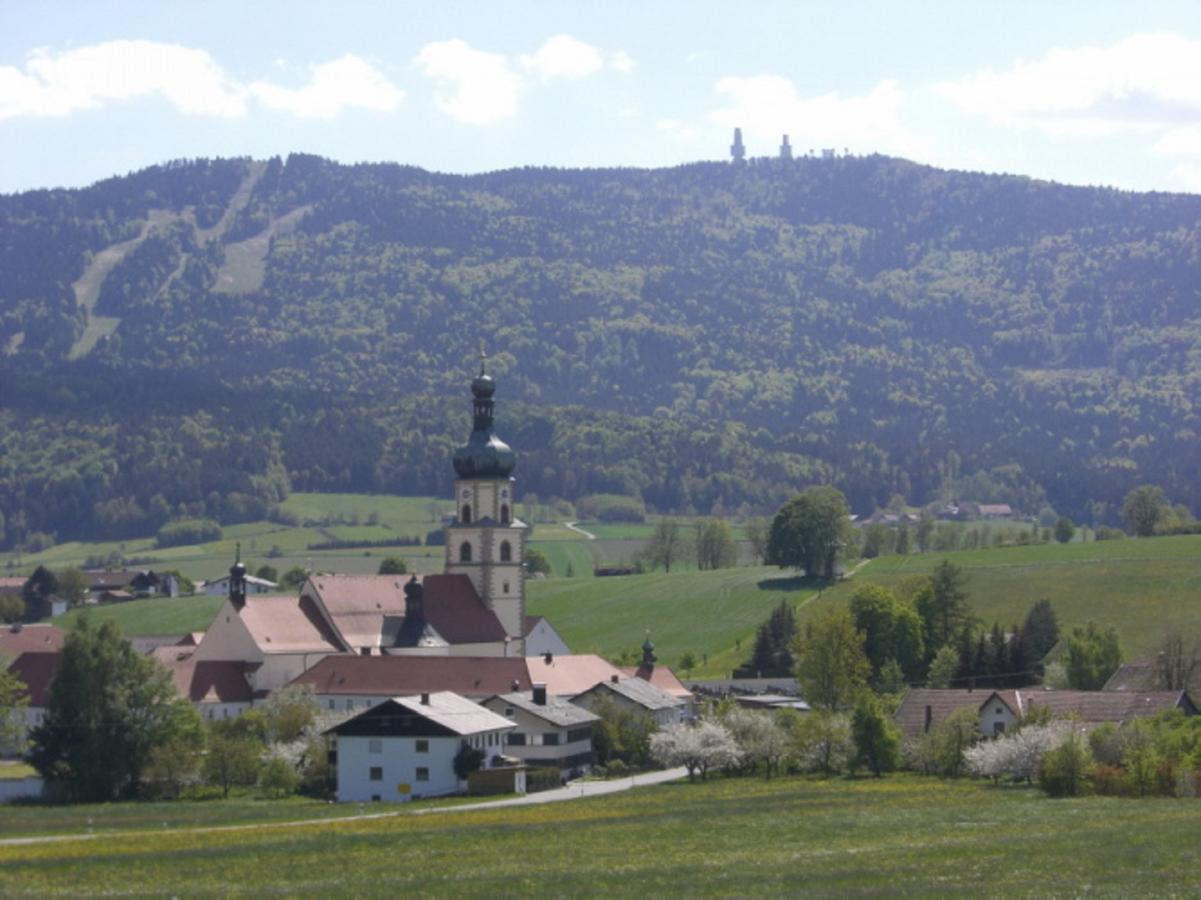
[812, 531]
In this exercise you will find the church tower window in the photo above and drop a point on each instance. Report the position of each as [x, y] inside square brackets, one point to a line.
[465, 516]
[465, 552]
[504, 514]
[506, 552]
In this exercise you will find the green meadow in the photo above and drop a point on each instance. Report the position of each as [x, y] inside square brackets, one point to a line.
[902, 834]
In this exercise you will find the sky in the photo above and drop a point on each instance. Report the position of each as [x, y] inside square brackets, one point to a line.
[1099, 92]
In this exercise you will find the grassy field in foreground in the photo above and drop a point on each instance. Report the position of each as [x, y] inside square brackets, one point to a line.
[730, 837]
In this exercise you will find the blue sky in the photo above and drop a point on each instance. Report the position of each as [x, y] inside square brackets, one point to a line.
[1085, 93]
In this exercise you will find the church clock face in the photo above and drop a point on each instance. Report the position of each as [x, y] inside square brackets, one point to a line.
[466, 493]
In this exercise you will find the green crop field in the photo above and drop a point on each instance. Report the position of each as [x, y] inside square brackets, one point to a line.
[155, 615]
[903, 834]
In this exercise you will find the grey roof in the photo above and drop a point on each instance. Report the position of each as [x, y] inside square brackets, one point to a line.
[457, 713]
[641, 692]
[556, 710]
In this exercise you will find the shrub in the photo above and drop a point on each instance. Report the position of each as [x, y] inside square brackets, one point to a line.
[1064, 771]
[278, 778]
[542, 778]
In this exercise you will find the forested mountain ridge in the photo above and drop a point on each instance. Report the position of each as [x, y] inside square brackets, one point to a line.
[697, 335]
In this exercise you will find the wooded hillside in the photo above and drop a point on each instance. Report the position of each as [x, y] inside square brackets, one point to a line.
[202, 337]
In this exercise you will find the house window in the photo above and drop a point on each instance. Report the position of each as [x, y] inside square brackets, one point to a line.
[465, 552]
[465, 516]
[516, 739]
[998, 728]
[551, 739]
[423, 746]
[423, 773]
[376, 773]
[375, 798]
[504, 514]
[508, 712]
[331, 702]
[375, 745]
[505, 588]
[350, 704]
[506, 552]
[579, 734]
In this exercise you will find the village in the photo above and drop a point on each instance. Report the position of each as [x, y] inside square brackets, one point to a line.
[433, 685]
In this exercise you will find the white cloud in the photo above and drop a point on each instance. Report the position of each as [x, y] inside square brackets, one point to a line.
[58, 84]
[1180, 142]
[563, 56]
[768, 106]
[471, 85]
[346, 82]
[1143, 83]
[677, 129]
[620, 61]
[1188, 177]
[87, 78]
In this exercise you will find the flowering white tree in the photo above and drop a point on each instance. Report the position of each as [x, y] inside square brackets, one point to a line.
[696, 747]
[1016, 755]
[760, 736]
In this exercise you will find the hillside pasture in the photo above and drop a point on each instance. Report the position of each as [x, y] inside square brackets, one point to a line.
[748, 836]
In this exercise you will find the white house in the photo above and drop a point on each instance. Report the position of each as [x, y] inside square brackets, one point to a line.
[219, 587]
[550, 731]
[404, 748]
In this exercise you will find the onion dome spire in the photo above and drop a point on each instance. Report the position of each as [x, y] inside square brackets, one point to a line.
[484, 455]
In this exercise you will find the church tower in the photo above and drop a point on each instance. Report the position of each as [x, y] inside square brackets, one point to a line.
[486, 540]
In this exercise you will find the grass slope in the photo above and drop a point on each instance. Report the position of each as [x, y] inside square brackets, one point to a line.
[702, 612]
[732, 837]
[1142, 587]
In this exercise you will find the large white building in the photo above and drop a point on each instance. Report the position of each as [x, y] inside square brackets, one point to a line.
[405, 748]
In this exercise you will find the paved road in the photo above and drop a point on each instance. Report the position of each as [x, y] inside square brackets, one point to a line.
[572, 792]
[588, 535]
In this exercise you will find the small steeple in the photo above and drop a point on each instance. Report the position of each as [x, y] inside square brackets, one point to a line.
[237, 581]
[785, 149]
[737, 150]
[648, 652]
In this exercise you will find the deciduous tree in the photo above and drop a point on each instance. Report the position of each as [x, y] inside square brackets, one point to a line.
[1092, 656]
[831, 665]
[812, 531]
[109, 708]
[1142, 509]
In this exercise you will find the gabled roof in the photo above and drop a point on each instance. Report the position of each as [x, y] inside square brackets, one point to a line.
[638, 691]
[207, 681]
[442, 714]
[556, 710]
[1106, 706]
[568, 676]
[36, 670]
[390, 676]
[360, 607]
[287, 625]
[661, 677]
[454, 608]
[911, 714]
[17, 639]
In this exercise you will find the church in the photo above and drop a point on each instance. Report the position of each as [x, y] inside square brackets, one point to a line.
[476, 608]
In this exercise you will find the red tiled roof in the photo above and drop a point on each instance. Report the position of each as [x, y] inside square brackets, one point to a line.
[358, 604]
[208, 681]
[1103, 706]
[661, 677]
[36, 670]
[454, 608]
[287, 625]
[390, 676]
[18, 639]
[566, 676]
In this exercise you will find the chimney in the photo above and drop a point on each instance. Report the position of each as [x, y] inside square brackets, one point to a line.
[929, 717]
[540, 694]
[515, 685]
[614, 678]
[548, 657]
[425, 699]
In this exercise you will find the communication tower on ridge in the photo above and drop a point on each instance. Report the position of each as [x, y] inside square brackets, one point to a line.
[737, 150]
